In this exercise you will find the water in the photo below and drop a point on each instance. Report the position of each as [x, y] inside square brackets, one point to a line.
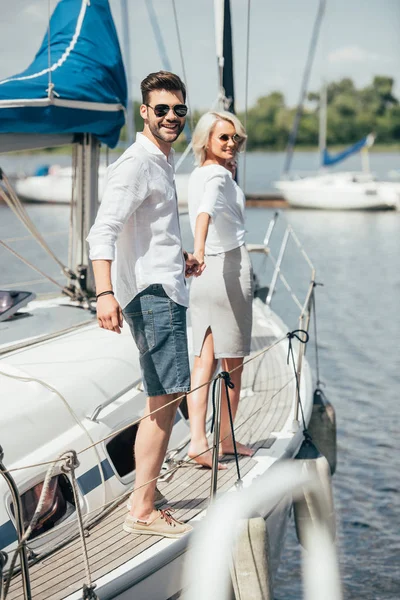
[357, 259]
[258, 170]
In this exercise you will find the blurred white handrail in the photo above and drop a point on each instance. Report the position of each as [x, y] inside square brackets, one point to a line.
[206, 573]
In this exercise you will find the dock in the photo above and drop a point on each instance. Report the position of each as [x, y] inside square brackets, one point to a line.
[272, 199]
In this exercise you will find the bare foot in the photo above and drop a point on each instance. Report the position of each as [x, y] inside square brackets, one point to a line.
[227, 448]
[203, 457]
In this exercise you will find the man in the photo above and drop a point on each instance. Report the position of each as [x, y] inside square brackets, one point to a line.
[139, 215]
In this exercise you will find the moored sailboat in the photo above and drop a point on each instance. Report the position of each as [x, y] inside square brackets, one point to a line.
[67, 436]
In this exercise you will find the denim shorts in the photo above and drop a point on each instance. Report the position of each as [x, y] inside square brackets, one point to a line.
[158, 326]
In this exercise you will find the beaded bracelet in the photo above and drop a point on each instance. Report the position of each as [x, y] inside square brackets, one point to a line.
[105, 293]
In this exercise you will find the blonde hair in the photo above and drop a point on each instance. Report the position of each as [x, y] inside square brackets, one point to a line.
[204, 129]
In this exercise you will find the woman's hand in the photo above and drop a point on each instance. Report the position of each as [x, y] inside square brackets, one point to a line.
[109, 313]
[195, 264]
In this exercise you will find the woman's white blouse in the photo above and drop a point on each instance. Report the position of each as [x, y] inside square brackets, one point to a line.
[212, 190]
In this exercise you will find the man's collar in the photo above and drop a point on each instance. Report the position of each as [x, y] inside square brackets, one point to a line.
[150, 146]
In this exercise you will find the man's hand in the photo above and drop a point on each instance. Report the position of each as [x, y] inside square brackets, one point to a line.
[195, 265]
[231, 165]
[109, 313]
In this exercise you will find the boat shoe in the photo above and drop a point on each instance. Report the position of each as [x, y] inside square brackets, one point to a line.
[159, 500]
[163, 525]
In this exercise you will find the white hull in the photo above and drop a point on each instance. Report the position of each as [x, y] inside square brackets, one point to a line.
[340, 191]
[56, 187]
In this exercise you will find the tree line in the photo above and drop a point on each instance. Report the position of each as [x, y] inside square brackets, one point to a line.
[351, 114]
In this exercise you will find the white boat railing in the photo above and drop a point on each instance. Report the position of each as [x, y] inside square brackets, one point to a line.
[305, 307]
[214, 538]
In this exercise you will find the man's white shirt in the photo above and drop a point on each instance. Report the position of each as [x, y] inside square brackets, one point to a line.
[138, 226]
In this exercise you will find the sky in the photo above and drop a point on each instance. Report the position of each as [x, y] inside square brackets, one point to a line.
[358, 39]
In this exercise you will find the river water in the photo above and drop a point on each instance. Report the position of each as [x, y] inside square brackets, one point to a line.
[356, 256]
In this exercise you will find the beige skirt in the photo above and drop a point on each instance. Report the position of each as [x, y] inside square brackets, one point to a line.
[221, 299]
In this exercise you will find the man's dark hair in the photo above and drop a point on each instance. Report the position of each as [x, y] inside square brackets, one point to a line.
[162, 80]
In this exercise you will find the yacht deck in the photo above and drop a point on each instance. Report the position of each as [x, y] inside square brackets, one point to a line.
[263, 411]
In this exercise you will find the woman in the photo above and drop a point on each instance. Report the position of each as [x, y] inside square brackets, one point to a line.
[221, 299]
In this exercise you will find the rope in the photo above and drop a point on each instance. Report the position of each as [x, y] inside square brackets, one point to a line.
[71, 412]
[291, 335]
[230, 385]
[136, 421]
[106, 508]
[71, 463]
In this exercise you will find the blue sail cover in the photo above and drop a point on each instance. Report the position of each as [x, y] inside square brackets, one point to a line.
[82, 89]
[329, 159]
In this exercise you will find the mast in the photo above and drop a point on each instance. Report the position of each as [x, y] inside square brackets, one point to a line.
[223, 43]
[323, 109]
[227, 77]
[85, 209]
[304, 86]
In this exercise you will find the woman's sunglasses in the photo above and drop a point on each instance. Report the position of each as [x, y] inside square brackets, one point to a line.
[160, 110]
[236, 138]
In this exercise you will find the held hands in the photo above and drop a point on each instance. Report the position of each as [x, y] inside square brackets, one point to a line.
[194, 264]
[109, 313]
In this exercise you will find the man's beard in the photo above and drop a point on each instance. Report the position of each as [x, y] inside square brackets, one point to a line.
[158, 132]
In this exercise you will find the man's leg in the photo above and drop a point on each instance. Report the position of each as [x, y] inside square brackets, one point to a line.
[159, 328]
[150, 449]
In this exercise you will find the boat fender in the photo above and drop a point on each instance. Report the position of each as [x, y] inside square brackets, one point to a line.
[322, 428]
[251, 564]
[306, 510]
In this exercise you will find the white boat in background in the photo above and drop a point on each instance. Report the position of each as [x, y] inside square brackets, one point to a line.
[56, 186]
[340, 191]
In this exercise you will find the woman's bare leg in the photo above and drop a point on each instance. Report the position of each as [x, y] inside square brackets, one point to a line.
[226, 446]
[203, 370]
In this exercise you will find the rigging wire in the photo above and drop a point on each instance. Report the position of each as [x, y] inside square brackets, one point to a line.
[14, 203]
[29, 264]
[183, 64]
[304, 85]
[9, 286]
[246, 94]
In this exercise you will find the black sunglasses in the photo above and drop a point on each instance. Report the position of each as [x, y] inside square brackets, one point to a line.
[160, 110]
